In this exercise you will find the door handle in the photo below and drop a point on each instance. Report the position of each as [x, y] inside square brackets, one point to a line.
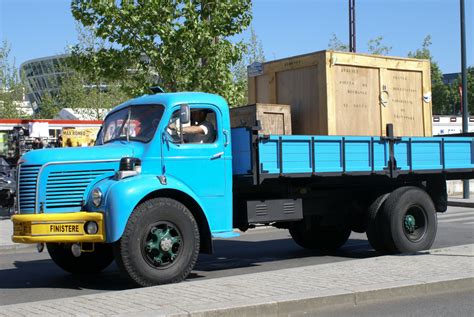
[226, 134]
[217, 155]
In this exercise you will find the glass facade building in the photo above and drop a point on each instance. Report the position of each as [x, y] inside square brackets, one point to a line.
[42, 76]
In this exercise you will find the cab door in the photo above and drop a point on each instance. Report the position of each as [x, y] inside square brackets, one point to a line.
[200, 166]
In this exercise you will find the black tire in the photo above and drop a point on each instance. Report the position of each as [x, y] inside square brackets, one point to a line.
[374, 234]
[408, 220]
[86, 263]
[321, 238]
[141, 253]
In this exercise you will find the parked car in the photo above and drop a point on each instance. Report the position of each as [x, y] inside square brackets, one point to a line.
[7, 184]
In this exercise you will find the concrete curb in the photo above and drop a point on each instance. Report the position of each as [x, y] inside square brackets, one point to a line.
[460, 203]
[285, 305]
[307, 303]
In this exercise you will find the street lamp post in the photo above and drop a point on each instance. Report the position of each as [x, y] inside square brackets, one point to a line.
[465, 112]
[352, 28]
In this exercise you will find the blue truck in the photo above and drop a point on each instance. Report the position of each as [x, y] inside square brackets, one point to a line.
[151, 198]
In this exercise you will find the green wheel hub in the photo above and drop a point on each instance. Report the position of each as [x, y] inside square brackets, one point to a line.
[415, 223]
[162, 244]
[410, 223]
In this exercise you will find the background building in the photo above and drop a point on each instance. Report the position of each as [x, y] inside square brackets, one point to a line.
[449, 79]
[41, 76]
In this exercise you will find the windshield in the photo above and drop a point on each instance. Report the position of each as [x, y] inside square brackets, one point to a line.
[135, 123]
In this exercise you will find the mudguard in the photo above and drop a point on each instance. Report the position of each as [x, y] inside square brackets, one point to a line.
[123, 196]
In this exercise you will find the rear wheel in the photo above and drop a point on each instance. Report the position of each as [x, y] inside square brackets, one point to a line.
[322, 238]
[160, 243]
[374, 234]
[408, 220]
[86, 263]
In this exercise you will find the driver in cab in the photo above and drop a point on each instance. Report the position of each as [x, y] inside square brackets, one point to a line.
[200, 130]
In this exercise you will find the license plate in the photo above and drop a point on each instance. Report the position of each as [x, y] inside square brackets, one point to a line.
[69, 228]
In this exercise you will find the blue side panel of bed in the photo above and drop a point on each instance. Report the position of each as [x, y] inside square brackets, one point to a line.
[335, 154]
[241, 151]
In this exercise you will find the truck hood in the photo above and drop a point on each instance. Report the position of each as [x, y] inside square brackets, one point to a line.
[102, 152]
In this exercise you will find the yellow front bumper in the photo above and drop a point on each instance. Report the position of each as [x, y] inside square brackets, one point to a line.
[61, 227]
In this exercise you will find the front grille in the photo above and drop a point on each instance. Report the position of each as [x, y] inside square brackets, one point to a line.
[28, 175]
[66, 189]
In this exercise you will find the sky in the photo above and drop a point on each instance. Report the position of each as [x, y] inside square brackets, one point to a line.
[39, 28]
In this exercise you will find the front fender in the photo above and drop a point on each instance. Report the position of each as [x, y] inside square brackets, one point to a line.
[123, 196]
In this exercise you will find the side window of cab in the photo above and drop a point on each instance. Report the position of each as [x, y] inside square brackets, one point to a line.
[202, 127]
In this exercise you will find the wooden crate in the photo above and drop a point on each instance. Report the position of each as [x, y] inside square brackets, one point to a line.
[340, 93]
[274, 119]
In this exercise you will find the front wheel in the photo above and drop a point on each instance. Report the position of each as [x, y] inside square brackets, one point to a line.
[86, 263]
[160, 243]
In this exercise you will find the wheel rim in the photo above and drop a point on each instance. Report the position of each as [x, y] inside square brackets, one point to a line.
[162, 244]
[415, 223]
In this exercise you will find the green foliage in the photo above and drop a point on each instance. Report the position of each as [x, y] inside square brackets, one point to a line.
[441, 93]
[374, 46]
[184, 43]
[253, 53]
[11, 87]
[454, 96]
[337, 45]
[85, 89]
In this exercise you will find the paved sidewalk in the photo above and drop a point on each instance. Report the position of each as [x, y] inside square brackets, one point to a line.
[6, 230]
[278, 293]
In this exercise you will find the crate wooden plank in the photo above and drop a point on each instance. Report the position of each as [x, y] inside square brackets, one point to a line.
[404, 107]
[354, 99]
[274, 118]
[333, 93]
[295, 87]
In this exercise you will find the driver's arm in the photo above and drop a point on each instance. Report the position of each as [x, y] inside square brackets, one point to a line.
[196, 129]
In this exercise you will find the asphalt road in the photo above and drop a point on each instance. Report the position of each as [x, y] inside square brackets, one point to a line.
[26, 275]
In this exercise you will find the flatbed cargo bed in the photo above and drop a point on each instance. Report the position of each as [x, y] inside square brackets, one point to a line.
[273, 156]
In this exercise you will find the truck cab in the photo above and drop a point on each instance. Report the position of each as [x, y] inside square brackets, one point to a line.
[81, 202]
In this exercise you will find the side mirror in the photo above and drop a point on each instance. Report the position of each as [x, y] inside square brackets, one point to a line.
[184, 114]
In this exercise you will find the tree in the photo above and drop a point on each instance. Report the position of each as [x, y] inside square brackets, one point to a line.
[87, 91]
[185, 42]
[337, 45]
[440, 93]
[11, 87]
[253, 54]
[454, 95]
[374, 46]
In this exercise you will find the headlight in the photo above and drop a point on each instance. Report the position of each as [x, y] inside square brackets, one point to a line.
[91, 227]
[96, 197]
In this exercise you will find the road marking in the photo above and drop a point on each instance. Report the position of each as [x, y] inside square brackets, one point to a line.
[457, 219]
[453, 213]
[456, 215]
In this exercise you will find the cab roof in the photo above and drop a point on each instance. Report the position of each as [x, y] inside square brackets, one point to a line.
[174, 99]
